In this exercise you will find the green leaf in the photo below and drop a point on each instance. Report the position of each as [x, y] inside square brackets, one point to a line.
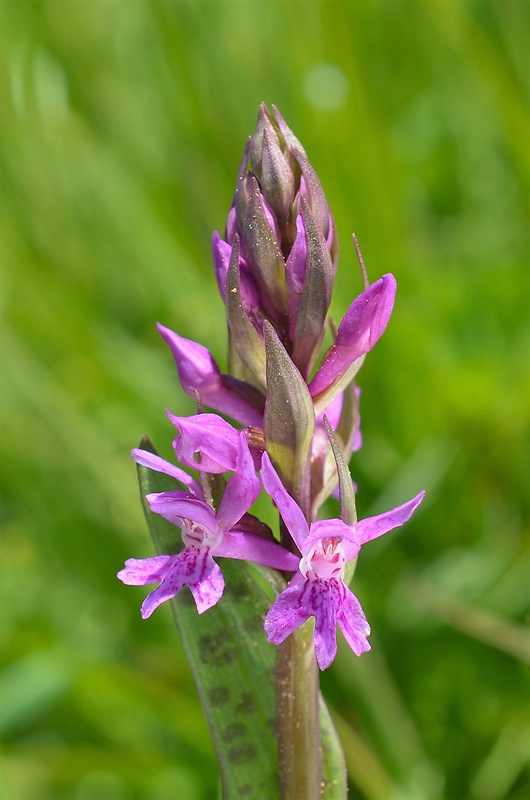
[232, 664]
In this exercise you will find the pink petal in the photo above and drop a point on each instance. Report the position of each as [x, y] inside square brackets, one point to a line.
[206, 442]
[295, 273]
[357, 435]
[176, 506]
[141, 571]
[196, 367]
[152, 461]
[198, 372]
[332, 412]
[353, 623]
[361, 328]
[291, 512]
[249, 547]
[221, 258]
[242, 488]
[287, 612]
[325, 598]
[372, 527]
[326, 529]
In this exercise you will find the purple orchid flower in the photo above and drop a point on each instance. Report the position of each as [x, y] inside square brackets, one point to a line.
[205, 533]
[318, 589]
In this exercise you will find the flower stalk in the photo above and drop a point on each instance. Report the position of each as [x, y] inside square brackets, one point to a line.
[298, 725]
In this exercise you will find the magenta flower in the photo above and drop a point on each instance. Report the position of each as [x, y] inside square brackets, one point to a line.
[318, 589]
[205, 533]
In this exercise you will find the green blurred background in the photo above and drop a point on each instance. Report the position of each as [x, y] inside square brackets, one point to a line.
[122, 127]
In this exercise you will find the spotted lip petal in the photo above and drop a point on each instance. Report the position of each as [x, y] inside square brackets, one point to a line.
[193, 567]
[331, 603]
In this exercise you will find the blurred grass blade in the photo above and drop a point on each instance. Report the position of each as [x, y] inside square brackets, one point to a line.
[232, 666]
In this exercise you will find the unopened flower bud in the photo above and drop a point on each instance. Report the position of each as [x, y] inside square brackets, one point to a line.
[287, 241]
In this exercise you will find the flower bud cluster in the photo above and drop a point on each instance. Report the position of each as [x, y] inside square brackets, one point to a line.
[281, 228]
[299, 423]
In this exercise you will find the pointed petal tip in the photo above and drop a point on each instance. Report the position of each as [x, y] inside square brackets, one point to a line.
[148, 606]
[413, 504]
[168, 335]
[372, 527]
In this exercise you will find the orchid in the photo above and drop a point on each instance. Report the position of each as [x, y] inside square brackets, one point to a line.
[297, 422]
[318, 589]
[205, 533]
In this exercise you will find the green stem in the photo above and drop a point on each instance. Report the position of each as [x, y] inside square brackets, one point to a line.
[297, 692]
